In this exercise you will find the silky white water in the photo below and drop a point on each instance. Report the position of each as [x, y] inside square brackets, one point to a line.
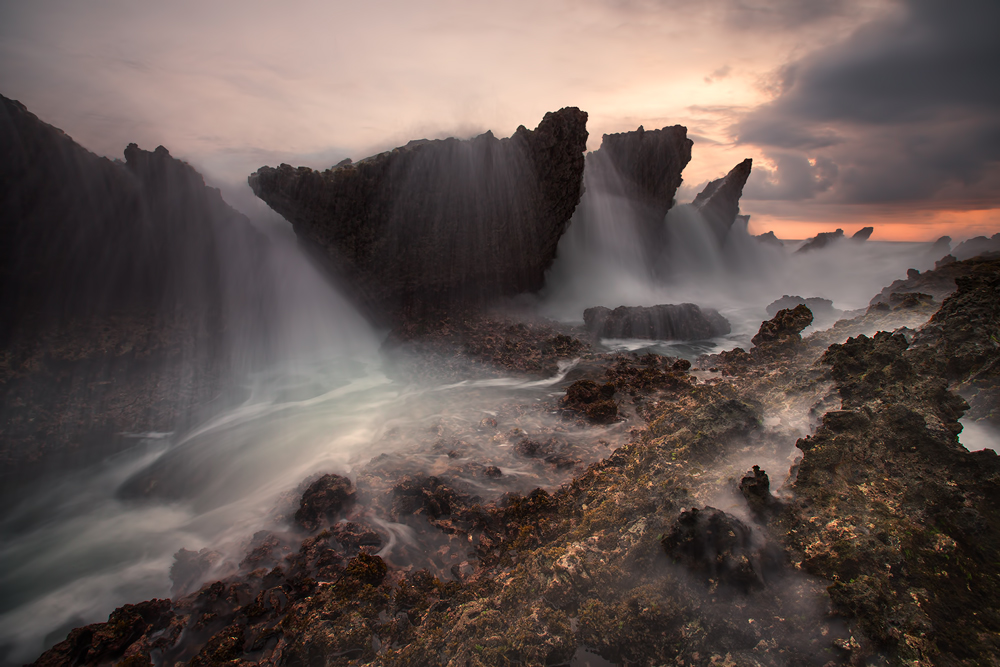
[318, 398]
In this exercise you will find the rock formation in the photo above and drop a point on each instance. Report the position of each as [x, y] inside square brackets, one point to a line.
[770, 239]
[111, 295]
[647, 166]
[862, 234]
[684, 321]
[719, 202]
[821, 308]
[977, 246]
[438, 226]
[880, 550]
[822, 240]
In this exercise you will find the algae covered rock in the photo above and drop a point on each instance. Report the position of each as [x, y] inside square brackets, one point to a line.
[323, 500]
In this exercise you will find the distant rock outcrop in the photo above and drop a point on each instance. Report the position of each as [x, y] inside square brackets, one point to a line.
[821, 240]
[684, 321]
[978, 245]
[719, 202]
[770, 239]
[863, 234]
[438, 226]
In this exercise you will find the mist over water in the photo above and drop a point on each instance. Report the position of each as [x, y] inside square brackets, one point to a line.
[609, 258]
[311, 394]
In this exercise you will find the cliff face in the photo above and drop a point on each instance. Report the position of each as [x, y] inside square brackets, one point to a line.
[444, 225]
[649, 165]
[111, 292]
[81, 235]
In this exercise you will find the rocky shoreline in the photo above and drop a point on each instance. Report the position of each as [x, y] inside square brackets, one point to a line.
[880, 548]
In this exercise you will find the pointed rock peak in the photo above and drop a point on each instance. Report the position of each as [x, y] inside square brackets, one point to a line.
[719, 202]
[863, 234]
[648, 166]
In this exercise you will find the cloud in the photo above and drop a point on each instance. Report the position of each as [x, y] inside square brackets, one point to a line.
[906, 109]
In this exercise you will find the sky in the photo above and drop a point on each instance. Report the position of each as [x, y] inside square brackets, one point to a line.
[856, 112]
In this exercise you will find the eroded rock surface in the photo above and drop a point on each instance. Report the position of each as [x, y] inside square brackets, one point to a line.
[111, 292]
[647, 167]
[465, 223]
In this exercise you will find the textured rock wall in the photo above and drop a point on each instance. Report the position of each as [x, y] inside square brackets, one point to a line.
[111, 295]
[436, 226]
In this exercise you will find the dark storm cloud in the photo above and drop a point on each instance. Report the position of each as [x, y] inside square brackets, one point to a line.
[907, 107]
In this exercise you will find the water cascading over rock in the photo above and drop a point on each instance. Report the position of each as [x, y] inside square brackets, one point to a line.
[113, 300]
[439, 226]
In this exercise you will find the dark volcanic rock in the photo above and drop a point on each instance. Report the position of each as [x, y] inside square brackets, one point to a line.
[863, 234]
[439, 225]
[719, 202]
[112, 301]
[684, 321]
[822, 240]
[784, 327]
[594, 400]
[325, 498]
[648, 164]
[718, 546]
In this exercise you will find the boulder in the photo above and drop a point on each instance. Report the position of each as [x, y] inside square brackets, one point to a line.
[439, 226]
[684, 321]
[784, 328]
[324, 500]
[719, 202]
[719, 547]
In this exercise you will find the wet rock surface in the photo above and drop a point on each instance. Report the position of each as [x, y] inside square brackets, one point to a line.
[110, 293]
[879, 550]
[648, 166]
[466, 222]
[684, 322]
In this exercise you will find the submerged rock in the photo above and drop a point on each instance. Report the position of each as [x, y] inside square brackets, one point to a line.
[684, 321]
[112, 295]
[439, 226]
[719, 202]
